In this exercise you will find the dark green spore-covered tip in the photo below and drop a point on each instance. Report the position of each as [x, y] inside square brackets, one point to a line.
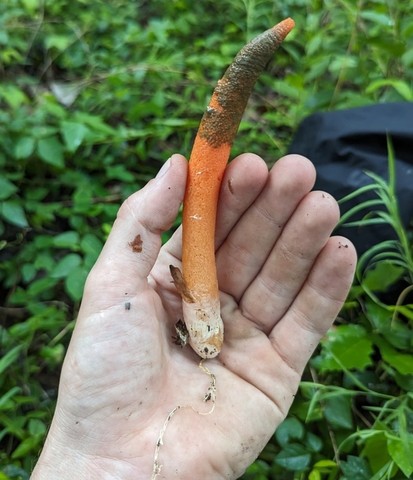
[223, 115]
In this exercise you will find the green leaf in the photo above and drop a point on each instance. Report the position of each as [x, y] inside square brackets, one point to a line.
[401, 451]
[91, 245]
[119, 172]
[346, 346]
[13, 472]
[7, 188]
[6, 397]
[382, 276]
[402, 362]
[9, 358]
[75, 282]
[290, 429]
[66, 240]
[59, 42]
[24, 147]
[36, 427]
[401, 87]
[293, 457]
[50, 150]
[376, 451]
[397, 333]
[13, 213]
[73, 134]
[377, 18]
[355, 468]
[42, 285]
[338, 411]
[66, 265]
[313, 442]
[12, 95]
[28, 445]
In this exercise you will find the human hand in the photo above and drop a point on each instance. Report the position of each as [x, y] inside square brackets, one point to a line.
[283, 280]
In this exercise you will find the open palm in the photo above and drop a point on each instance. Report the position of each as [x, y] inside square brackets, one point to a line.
[283, 280]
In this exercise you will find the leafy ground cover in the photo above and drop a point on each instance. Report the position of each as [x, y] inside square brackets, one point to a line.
[94, 96]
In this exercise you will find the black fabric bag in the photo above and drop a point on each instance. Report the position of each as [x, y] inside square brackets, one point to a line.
[345, 144]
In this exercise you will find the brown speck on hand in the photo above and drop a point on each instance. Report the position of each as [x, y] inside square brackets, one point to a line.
[344, 245]
[127, 305]
[136, 244]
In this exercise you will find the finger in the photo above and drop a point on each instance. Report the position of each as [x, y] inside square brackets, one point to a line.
[288, 264]
[247, 247]
[243, 181]
[317, 305]
[134, 242]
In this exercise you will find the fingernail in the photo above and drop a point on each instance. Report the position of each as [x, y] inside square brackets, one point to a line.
[164, 169]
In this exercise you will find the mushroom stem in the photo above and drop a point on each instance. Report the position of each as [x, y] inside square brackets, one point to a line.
[208, 160]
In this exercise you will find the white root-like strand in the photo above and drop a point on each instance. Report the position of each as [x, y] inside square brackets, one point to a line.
[210, 396]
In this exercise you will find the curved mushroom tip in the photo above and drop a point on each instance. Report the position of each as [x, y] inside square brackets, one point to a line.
[205, 327]
[283, 28]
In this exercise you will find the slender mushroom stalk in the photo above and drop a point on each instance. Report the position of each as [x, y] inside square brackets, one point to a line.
[198, 284]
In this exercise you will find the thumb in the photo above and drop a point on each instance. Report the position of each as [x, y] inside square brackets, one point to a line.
[135, 240]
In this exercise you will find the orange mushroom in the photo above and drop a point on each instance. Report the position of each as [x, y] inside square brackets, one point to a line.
[198, 284]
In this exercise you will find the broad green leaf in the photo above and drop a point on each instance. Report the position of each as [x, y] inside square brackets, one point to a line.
[75, 282]
[50, 150]
[28, 271]
[375, 450]
[66, 265]
[7, 188]
[314, 475]
[13, 213]
[24, 147]
[12, 472]
[73, 134]
[66, 240]
[402, 362]
[401, 451]
[91, 244]
[293, 457]
[31, 5]
[42, 285]
[377, 18]
[119, 172]
[95, 122]
[9, 358]
[346, 346]
[382, 276]
[338, 412]
[36, 427]
[290, 429]
[322, 467]
[12, 95]
[28, 445]
[313, 442]
[397, 333]
[355, 468]
[401, 87]
[59, 42]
